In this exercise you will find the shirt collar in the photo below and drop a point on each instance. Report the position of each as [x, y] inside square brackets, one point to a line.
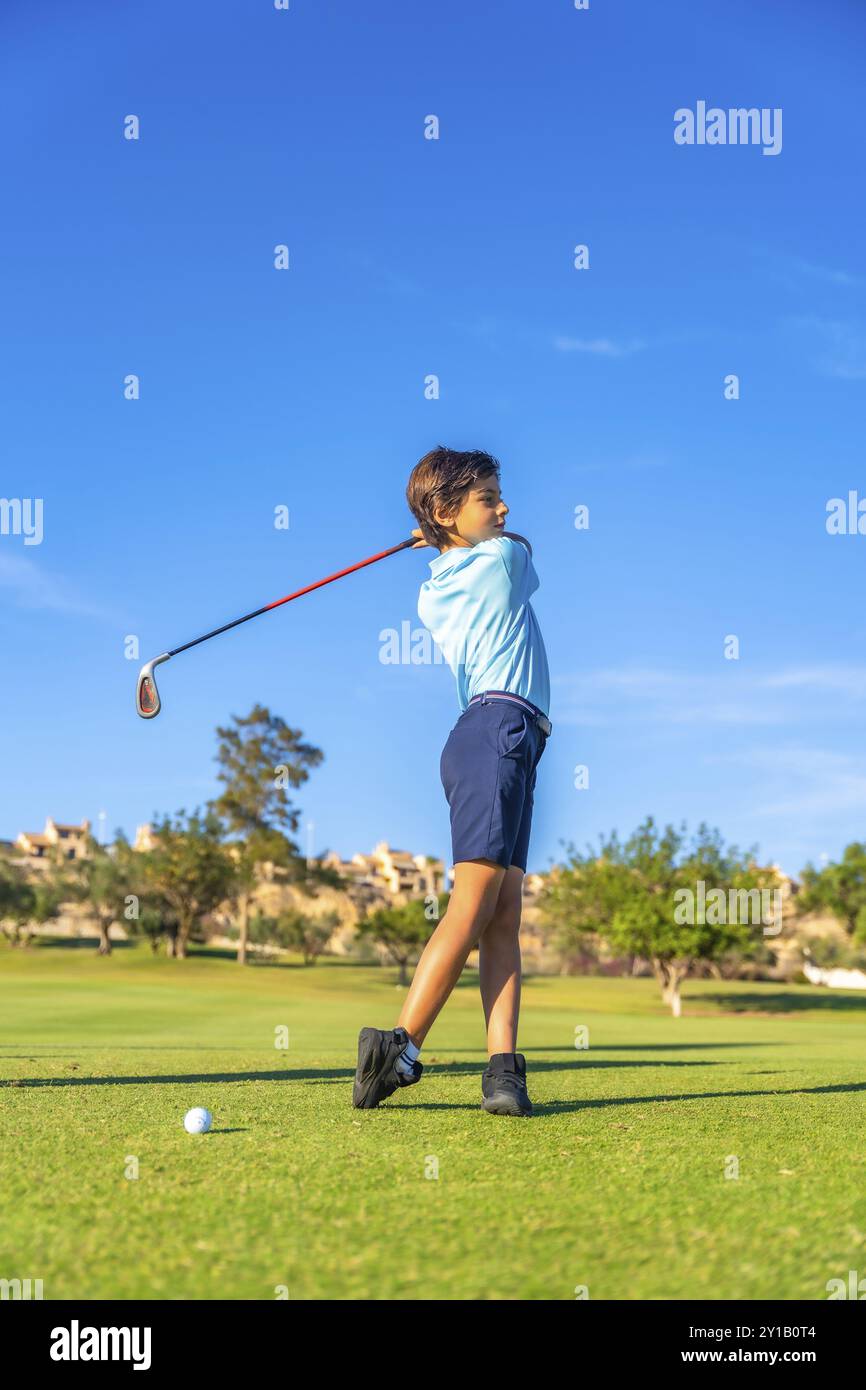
[441, 561]
[449, 557]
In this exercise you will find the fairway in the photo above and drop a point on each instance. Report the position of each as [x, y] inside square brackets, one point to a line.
[617, 1182]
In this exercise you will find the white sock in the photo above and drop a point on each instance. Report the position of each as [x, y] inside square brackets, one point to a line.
[409, 1055]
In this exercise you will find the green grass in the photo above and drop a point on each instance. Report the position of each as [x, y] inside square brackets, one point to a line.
[617, 1182]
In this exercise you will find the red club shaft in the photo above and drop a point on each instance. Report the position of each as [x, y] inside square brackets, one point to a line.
[329, 579]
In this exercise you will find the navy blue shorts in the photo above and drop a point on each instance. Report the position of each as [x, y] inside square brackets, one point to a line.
[488, 768]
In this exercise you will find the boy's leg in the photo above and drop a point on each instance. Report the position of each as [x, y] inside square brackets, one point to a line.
[499, 949]
[499, 965]
[477, 884]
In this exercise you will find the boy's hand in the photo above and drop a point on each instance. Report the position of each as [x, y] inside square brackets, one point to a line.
[420, 543]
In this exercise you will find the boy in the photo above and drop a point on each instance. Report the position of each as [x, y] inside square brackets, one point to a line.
[476, 605]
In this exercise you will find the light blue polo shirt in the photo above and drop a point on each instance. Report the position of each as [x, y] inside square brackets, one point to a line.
[476, 605]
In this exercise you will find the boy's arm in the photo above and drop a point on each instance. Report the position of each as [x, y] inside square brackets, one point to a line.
[512, 535]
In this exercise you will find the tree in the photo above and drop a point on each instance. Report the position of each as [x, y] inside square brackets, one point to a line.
[293, 931]
[154, 923]
[403, 930]
[189, 870]
[259, 758]
[828, 953]
[101, 879]
[26, 900]
[312, 874]
[659, 897]
[17, 903]
[147, 912]
[839, 889]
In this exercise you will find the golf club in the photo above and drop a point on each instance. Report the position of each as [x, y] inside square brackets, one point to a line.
[147, 700]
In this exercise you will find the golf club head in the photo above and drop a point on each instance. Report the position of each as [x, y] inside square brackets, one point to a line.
[147, 700]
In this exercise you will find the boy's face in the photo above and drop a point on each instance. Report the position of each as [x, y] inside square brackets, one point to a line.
[481, 514]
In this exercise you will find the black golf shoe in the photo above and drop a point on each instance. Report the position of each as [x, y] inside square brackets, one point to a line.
[503, 1085]
[377, 1075]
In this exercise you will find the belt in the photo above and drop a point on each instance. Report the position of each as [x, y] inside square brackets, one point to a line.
[541, 720]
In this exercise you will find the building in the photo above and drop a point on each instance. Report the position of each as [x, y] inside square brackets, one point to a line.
[144, 838]
[394, 874]
[71, 840]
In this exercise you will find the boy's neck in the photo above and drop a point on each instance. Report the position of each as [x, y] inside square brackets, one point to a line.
[457, 544]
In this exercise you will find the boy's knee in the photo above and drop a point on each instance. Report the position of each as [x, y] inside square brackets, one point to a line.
[504, 924]
[484, 916]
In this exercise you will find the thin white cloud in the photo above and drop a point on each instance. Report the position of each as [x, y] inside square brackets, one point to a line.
[839, 348]
[807, 781]
[638, 678]
[842, 794]
[732, 697]
[599, 347]
[788, 759]
[823, 272]
[33, 587]
[845, 680]
[385, 277]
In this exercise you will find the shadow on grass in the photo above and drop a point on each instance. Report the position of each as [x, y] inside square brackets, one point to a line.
[180, 1078]
[343, 1076]
[387, 974]
[70, 1049]
[327, 1075]
[646, 1047]
[783, 1002]
[194, 952]
[77, 943]
[567, 1107]
[454, 1051]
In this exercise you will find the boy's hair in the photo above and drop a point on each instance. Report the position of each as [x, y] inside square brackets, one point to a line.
[439, 482]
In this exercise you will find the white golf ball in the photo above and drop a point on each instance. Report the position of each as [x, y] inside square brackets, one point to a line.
[197, 1121]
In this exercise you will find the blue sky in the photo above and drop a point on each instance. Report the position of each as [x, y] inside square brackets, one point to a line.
[305, 388]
